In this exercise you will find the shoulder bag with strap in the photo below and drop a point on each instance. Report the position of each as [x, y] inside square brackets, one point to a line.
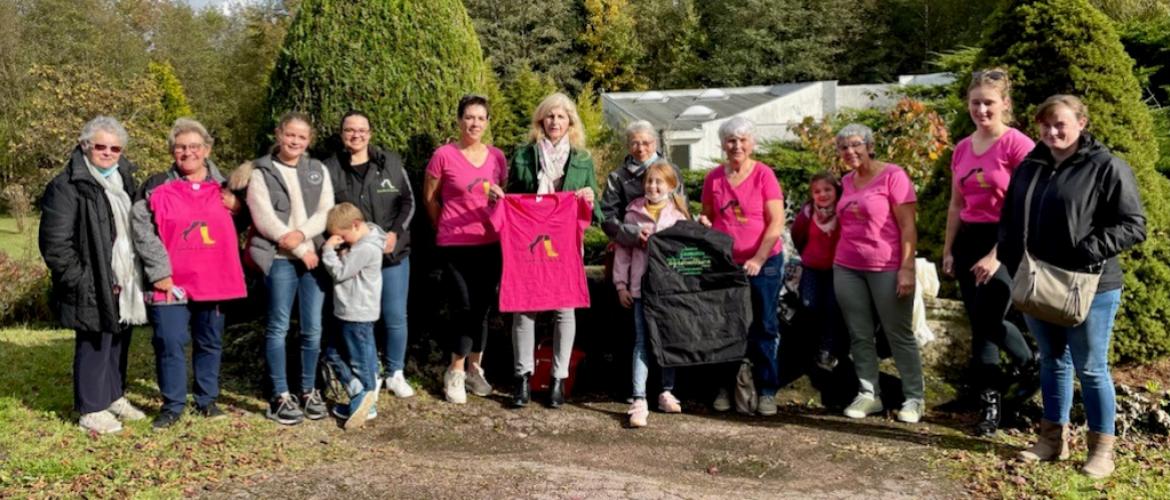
[1047, 292]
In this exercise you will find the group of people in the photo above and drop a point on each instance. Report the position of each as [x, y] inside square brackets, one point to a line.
[167, 253]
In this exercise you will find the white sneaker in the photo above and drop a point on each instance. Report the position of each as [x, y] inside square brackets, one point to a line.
[398, 385]
[863, 405]
[476, 382]
[101, 422]
[453, 387]
[722, 400]
[912, 410]
[766, 406]
[123, 410]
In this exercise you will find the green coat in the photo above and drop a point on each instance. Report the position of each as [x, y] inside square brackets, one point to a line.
[578, 174]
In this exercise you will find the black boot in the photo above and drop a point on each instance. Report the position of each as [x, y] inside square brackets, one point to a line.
[556, 395]
[522, 394]
[1024, 380]
[989, 413]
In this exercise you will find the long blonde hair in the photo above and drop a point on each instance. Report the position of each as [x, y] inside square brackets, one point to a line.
[666, 170]
[576, 132]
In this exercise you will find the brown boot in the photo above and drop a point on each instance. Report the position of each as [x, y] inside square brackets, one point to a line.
[1100, 462]
[1052, 445]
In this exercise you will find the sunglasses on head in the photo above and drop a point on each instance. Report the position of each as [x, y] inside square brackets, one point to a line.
[102, 147]
[994, 74]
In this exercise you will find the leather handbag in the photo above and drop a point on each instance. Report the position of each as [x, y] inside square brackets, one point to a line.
[1047, 292]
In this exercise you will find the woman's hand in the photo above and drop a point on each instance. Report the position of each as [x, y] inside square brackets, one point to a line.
[310, 260]
[704, 220]
[985, 269]
[626, 298]
[752, 266]
[495, 193]
[291, 240]
[948, 265]
[230, 201]
[586, 193]
[164, 286]
[905, 281]
[391, 242]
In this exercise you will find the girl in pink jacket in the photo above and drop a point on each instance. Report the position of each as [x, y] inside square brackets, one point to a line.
[658, 209]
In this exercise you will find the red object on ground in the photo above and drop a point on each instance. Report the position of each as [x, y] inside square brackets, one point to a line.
[541, 380]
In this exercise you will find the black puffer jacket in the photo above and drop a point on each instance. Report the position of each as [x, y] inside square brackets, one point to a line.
[384, 195]
[697, 299]
[77, 240]
[1084, 213]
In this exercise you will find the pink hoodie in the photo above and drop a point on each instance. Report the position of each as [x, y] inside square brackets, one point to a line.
[629, 263]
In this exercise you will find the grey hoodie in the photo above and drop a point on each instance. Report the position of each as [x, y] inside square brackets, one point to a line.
[357, 277]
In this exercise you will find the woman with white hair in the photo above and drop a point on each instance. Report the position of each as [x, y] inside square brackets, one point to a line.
[873, 271]
[85, 241]
[624, 184]
[185, 213]
[743, 198]
[554, 160]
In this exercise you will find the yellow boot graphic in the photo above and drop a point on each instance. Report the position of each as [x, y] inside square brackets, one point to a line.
[548, 248]
[203, 231]
[487, 187]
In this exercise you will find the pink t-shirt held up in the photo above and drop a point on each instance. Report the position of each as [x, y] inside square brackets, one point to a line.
[983, 179]
[740, 211]
[870, 237]
[541, 240]
[463, 188]
[201, 242]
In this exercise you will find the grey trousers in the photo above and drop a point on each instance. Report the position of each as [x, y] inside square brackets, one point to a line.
[524, 341]
[860, 294]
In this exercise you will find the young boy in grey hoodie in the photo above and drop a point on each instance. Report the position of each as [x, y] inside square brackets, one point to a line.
[357, 299]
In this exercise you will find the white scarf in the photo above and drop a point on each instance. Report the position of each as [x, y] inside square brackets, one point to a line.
[552, 164]
[825, 218]
[124, 262]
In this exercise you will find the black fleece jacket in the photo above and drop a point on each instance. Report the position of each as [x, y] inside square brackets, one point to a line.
[1085, 211]
[383, 194]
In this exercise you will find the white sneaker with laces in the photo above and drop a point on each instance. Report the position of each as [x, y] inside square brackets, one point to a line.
[912, 410]
[101, 422]
[125, 411]
[454, 388]
[722, 400]
[863, 405]
[476, 381]
[398, 385]
[766, 406]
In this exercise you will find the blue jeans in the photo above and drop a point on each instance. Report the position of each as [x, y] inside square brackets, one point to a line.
[1085, 349]
[395, 288]
[642, 358]
[175, 326]
[819, 299]
[764, 332]
[361, 352]
[287, 282]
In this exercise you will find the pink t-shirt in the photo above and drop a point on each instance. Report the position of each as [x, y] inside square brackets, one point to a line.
[463, 189]
[200, 238]
[740, 211]
[542, 238]
[983, 179]
[870, 237]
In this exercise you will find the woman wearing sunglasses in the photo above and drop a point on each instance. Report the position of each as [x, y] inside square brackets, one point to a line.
[97, 291]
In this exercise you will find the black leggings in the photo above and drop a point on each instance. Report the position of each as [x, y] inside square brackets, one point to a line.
[472, 274]
[987, 304]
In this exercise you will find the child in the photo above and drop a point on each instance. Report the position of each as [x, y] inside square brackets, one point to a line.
[815, 233]
[658, 209]
[357, 295]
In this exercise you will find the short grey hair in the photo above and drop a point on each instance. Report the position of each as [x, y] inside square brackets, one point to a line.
[186, 126]
[107, 124]
[641, 127]
[856, 130]
[737, 126]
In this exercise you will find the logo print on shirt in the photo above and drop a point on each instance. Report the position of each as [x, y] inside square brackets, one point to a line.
[546, 240]
[979, 178]
[315, 177]
[736, 211]
[480, 182]
[387, 187]
[204, 232]
[855, 208]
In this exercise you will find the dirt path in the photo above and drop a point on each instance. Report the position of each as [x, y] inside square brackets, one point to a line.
[424, 448]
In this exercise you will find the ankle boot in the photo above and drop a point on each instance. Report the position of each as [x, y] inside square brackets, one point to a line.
[1100, 462]
[1051, 446]
[522, 394]
[556, 395]
[989, 415]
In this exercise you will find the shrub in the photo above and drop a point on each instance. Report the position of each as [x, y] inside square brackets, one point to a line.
[24, 291]
[1067, 46]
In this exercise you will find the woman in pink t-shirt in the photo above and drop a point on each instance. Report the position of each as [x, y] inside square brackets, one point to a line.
[462, 179]
[873, 271]
[981, 167]
[743, 199]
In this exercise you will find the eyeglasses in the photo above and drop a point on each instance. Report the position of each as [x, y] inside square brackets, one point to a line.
[188, 147]
[851, 145]
[994, 74]
[355, 131]
[644, 144]
[103, 147]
